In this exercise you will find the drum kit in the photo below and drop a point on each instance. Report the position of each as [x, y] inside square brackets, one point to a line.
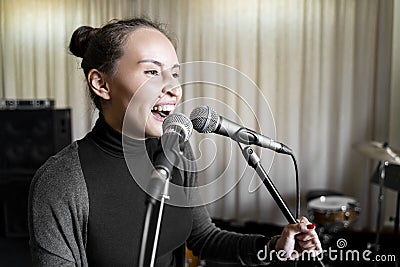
[334, 212]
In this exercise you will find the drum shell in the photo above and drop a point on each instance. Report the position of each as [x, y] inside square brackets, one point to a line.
[333, 217]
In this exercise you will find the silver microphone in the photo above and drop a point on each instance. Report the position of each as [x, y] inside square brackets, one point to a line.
[206, 120]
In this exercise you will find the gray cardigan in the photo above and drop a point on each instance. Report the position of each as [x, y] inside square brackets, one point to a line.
[59, 211]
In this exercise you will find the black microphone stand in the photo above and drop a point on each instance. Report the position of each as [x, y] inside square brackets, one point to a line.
[164, 197]
[158, 186]
[255, 162]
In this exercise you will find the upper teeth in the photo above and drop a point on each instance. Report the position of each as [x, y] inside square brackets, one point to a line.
[164, 108]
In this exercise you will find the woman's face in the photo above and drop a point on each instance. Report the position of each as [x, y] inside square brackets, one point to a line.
[145, 88]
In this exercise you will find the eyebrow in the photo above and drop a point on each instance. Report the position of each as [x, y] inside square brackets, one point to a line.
[158, 63]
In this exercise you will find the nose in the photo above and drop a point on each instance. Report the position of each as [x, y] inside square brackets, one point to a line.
[173, 90]
[171, 85]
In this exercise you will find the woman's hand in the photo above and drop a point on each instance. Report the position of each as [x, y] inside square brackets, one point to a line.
[296, 238]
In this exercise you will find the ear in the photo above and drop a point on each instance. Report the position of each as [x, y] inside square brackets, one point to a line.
[98, 84]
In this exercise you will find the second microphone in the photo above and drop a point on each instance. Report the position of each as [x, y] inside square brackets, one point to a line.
[206, 120]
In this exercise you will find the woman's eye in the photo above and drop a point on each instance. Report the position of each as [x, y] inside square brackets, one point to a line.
[151, 72]
[175, 75]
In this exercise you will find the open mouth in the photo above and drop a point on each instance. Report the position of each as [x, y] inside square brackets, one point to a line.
[162, 111]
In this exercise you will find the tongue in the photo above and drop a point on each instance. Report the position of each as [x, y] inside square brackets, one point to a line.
[157, 115]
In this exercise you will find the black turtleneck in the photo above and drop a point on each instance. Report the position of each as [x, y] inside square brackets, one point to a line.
[86, 208]
[117, 202]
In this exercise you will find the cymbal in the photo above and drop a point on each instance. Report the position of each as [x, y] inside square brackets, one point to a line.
[379, 151]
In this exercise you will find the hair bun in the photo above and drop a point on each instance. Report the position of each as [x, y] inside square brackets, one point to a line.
[80, 40]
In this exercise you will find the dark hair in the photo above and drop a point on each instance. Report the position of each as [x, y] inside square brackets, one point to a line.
[100, 48]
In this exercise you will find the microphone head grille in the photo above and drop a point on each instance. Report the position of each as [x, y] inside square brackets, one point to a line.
[181, 121]
[205, 119]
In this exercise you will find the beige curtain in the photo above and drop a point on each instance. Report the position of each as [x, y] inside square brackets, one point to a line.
[323, 73]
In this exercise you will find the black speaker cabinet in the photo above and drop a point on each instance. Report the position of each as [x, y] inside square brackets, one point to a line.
[27, 139]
